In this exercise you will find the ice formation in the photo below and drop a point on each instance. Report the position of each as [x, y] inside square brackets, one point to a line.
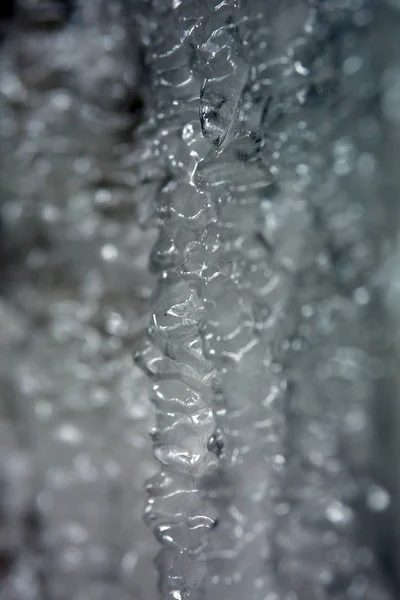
[74, 298]
[262, 379]
[259, 137]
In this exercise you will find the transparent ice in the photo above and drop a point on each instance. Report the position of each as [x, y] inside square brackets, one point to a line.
[213, 185]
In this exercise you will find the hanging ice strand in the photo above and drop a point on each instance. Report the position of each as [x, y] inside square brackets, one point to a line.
[197, 82]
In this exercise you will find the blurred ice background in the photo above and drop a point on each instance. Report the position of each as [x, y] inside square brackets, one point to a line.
[74, 414]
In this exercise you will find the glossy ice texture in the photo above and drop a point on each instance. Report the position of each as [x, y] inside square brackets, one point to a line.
[267, 328]
[212, 184]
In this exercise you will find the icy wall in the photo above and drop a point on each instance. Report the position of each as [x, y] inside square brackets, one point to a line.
[266, 349]
[260, 137]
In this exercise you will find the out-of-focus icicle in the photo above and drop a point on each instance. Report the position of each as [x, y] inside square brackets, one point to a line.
[71, 411]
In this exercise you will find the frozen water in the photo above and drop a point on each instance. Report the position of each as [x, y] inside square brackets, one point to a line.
[74, 298]
[263, 148]
[284, 94]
